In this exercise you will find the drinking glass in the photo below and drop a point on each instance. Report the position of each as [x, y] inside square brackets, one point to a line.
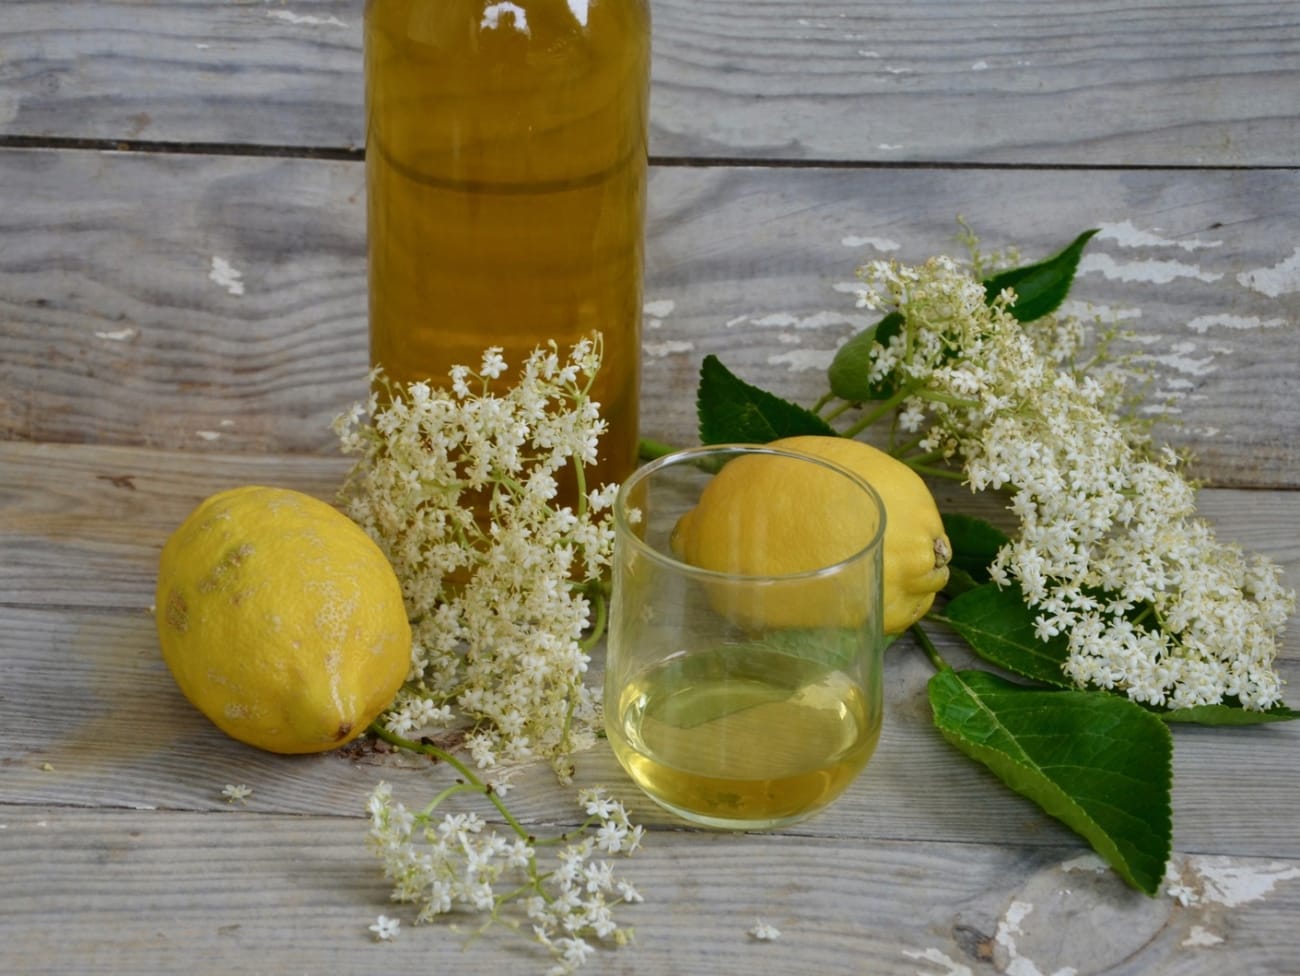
[735, 696]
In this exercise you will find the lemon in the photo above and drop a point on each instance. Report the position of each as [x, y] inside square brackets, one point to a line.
[281, 620]
[780, 495]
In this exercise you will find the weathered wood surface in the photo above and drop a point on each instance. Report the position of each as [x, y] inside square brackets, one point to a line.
[217, 304]
[189, 314]
[279, 894]
[1057, 82]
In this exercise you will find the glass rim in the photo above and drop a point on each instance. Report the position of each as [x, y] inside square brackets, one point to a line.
[624, 529]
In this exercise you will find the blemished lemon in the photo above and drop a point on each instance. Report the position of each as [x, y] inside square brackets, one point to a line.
[281, 620]
[765, 491]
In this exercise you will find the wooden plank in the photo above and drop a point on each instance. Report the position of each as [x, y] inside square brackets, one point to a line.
[127, 892]
[82, 525]
[86, 691]
[228, 314]
[94, 719]
[1045, 82]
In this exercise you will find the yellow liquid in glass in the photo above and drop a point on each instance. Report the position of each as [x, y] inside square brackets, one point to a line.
[506, 167]
[767, 745]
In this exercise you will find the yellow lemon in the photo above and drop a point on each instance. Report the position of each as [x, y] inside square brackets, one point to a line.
[281, 620]
[812, 518]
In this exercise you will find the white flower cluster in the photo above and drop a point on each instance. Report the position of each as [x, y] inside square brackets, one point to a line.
[460, 863]
[1109, 551]
[459, 488]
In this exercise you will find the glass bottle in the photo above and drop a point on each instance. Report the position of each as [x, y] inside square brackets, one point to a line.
[505, 174]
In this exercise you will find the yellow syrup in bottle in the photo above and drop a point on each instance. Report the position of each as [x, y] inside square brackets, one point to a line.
[505, 174]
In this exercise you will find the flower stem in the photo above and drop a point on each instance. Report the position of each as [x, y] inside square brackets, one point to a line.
[648, 450]
[931, 651]
[933, 472]
[862, 423]
[472, 781]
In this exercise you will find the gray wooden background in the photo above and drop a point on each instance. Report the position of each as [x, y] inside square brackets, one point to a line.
[182, 308]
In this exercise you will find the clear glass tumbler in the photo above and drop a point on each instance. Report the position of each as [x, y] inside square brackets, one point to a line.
[743, 673]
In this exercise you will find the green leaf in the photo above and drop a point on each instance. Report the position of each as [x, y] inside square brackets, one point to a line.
[1226, 715]
[975, 544]
[848, 370]
[1099, 764]
[732, 411]
[999, 627]
[1040, 288]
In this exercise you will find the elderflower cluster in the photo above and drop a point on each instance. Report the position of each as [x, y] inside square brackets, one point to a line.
[460, 863]
[1109, 551]
[459, 488]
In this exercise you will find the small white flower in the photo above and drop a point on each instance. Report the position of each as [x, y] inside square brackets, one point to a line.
[237, 793]
[764, 932]
[386, 928]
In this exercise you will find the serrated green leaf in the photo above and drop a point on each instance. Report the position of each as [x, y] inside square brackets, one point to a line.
[975, 544]
[732, 411]
[1226, 715]
[1099, 764]
[848, 370]
[1040, 288]
[999, 627]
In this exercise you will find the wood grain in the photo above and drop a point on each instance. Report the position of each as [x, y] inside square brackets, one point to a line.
[217, 304]
[85, 690]
[1048, 82]
[238, 891]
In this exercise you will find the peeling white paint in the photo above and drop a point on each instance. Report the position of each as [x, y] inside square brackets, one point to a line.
[1128, 234]
[226, 275]
[208, 435]
[738, 320]
[1283, 278]
[1203, 323]
[817, 320]
[1180, 358]
[898, 71]
[1086, 862]
[890, 146]
[868, 54]
[1230, 884]
[1201, 938]
[1008, 928]
[492, 17]
[289, 17]
[1154, 272]
[579, 9]
[849, 287]
[660, 308]
[947, 966]
[879, 243]
[980, 66]
[661, 349]
[118, 335]
[1092, 310]
[803, 360]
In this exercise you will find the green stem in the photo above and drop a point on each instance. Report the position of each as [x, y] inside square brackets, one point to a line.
[648, 450]
[900, 450]
[597, 594]
[924, 458]
[826, 398]
[862, 423]
[846, 405]
[931, 651]
[471, 779]
[927, 469]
